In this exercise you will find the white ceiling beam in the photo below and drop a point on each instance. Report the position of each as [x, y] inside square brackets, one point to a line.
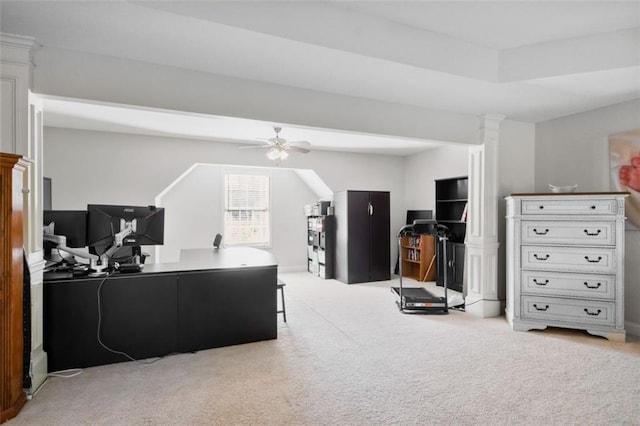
[608, 51]
[72, 74]
[342, 29]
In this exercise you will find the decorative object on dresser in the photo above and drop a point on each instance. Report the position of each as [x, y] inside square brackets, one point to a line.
[451, 211]
[363, 236]
[321, 237]
[12, 395]
[565, 262]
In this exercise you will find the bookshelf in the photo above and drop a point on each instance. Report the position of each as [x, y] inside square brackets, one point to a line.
[451, 211]
[321, 232]
[418, 257]
[451, 205]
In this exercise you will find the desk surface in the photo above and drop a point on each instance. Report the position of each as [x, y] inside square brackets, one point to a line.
[223, 258]
[195, 260]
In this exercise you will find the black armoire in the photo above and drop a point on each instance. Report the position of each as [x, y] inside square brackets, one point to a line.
[362, 236]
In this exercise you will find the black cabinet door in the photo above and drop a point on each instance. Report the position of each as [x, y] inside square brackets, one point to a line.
[454, 265]
[379, 249]
[362, 236]
[359, 239]
[137, 315]
[220, 307]
[458, 266]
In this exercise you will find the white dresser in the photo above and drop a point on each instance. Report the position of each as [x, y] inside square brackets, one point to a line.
[565, 262]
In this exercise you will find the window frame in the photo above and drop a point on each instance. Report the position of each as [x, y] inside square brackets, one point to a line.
[249, 172]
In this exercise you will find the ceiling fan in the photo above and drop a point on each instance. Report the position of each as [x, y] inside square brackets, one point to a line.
[278, 148]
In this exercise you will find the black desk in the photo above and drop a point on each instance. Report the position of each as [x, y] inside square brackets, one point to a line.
[208, 299]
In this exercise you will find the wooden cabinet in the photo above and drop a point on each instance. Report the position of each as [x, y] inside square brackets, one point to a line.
[12, 395]
[565, 262]
[418, 255]
[363, 245]
[451, 211]
[321, 237]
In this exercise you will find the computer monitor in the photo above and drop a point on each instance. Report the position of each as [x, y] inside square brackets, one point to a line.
[104, 222]
[418, 214]
[71, 224]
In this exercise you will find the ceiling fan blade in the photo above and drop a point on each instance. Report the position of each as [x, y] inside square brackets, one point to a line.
[297, 149]
[254, 147]
[301, 144]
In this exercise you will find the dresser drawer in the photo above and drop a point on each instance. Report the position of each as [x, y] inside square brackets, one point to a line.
[569, 232]
[568, 310]
[569, 207]
[588, 286]
[575, 259]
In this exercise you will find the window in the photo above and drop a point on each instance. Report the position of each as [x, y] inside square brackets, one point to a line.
[246, 209]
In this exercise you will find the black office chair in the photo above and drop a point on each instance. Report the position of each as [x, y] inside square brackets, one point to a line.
[217, 241]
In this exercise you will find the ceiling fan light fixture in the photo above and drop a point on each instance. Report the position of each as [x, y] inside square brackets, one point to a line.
[276, 153]
[278, 148]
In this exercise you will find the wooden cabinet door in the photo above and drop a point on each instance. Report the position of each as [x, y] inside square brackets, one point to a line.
[12, 396]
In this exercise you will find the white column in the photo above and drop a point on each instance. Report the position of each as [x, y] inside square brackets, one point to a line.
[21, 133]
[481, 254]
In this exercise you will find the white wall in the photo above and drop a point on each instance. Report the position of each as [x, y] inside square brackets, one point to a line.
[112, 168]
[421, 171]
[194, 206]
[516, 160]
[574, 149]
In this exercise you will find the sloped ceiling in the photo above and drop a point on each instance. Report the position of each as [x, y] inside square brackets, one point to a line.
[530, 61]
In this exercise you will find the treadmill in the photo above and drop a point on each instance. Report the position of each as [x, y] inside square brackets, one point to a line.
[419, 299]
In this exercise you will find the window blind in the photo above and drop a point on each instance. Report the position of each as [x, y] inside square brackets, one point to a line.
[246, 215]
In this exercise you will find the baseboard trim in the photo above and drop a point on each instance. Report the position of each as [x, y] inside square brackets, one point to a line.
[632, 328]
[38, 371]
[285, 269]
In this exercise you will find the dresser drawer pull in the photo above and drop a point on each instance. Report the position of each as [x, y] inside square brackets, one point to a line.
[542, 309]
[541, 258]
[541, 207]
[593, 260]
[592, 286]
[535, 280]
[541, 232]
[593, 207]
[595, 314]
[591, 234]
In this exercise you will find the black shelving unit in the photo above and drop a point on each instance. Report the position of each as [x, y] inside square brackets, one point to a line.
[451, 211]
[321, 232]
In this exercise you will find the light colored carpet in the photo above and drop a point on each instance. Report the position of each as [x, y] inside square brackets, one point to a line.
[348, 357]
